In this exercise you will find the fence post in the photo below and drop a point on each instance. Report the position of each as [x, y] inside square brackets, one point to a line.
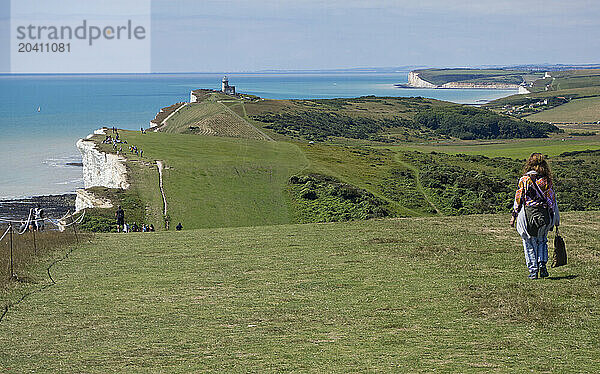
[73, 223]
[12, 273]
[34, 245]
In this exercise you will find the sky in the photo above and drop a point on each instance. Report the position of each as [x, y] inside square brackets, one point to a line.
[253, 35]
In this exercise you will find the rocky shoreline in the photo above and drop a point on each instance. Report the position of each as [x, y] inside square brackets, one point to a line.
[54, 206]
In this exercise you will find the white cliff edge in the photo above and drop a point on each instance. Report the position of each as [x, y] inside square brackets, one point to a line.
[86, 199]
[99, 170]
[414, 80]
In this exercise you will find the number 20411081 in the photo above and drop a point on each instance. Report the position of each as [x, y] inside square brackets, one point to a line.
[45, 47]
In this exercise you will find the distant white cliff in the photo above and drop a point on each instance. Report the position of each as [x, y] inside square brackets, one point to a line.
[415, 81]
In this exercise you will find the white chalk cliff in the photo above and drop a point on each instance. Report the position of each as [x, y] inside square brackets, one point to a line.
[86, 199]
[99, 169]
[415, 81]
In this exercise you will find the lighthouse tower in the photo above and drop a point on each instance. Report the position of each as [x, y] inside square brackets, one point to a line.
[226, 88]
[224, 84]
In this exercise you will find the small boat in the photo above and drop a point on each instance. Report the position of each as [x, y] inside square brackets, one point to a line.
[39, 109]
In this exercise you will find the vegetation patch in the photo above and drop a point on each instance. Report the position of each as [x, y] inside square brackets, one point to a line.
[103, 220]
[315, 125]
[475, 123]
[320, 198]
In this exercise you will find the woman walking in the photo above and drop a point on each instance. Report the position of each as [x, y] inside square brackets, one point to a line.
[535, 212]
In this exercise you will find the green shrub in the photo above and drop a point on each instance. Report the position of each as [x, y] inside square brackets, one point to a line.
[98, 224]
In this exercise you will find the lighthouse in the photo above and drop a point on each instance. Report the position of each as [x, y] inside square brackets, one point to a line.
[226, 88]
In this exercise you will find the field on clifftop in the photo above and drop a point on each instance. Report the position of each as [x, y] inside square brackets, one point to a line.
[294, 256]
[415, 295]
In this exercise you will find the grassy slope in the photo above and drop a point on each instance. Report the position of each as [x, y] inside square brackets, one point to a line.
[412, 295]
[234, 182]
[579, 110]
[219, 182]
[520, 149]
[581, 85]
[192, 113]
[574, 92]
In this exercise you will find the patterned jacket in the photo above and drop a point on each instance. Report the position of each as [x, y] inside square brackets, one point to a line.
[526, 194]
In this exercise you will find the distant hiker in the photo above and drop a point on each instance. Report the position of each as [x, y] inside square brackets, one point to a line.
[535, 212]
[120, 214]
[125, 228]
[179, 227]
[38, 214]
[134, 227]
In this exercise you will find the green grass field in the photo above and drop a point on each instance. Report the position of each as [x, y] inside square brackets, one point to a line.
[581, 87]
[401, 295]
[214, 181]
[520, 149]
[221, 182]
[578, 110]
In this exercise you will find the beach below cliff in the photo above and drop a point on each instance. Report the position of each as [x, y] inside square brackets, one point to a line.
[54, 206]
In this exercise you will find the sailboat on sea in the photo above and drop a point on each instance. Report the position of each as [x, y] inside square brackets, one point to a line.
[39, 108]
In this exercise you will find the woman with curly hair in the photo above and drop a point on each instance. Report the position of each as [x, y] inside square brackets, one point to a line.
[535, 212]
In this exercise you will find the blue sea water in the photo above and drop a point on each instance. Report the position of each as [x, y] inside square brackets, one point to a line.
[36, 146]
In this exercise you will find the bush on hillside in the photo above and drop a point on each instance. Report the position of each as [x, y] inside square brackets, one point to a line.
[320, 198]
[315, 125]
[475, 123]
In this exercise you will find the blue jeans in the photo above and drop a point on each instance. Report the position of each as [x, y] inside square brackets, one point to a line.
[536, 252]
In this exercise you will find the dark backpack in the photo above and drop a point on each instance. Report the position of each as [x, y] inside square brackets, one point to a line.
[537, 217]
[540, 215]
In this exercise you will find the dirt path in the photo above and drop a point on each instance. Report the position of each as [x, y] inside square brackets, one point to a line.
[160, 168]
[419, 186]
[164, 121]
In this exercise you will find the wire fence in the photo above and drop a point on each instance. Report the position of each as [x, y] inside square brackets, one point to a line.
[21, 241]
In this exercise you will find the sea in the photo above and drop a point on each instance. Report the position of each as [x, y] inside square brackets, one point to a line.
[43, 116]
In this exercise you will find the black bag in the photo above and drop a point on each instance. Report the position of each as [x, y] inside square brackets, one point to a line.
[537, 217]
[560, 251]
[540, 215]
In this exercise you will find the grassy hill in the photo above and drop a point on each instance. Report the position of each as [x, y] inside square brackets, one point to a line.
[571, 96]
[213, 181]
[419, 295]
[385, 119]
[579, 110]
[564, 80]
